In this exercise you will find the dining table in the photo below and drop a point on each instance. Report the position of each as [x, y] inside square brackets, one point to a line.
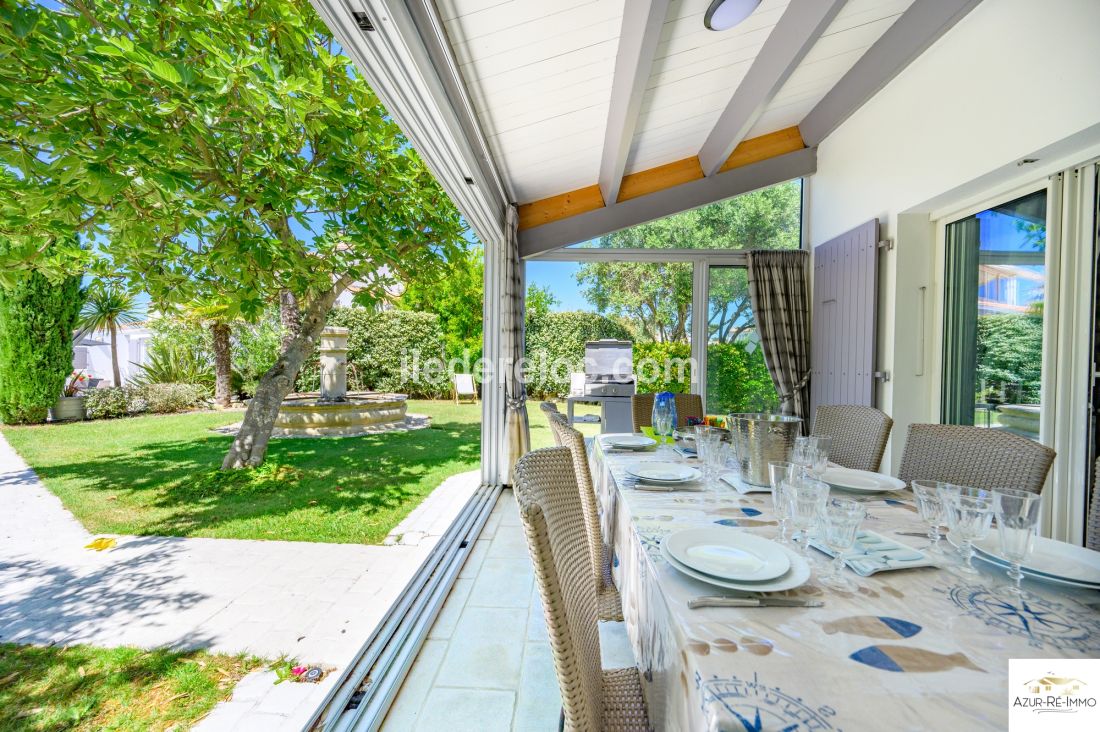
[909, 649]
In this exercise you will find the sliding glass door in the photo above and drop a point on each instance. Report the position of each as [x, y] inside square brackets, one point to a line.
[995, 285]
[737, 378]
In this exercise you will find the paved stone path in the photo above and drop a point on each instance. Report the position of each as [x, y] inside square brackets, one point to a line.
[315, 602]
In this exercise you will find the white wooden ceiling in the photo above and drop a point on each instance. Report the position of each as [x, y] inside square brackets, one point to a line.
[539, 74]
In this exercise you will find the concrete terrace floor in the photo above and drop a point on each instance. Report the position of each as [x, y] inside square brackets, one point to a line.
[316, 603]
[486, 665]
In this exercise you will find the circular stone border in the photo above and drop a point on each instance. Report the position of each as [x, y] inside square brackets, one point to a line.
[410, 423]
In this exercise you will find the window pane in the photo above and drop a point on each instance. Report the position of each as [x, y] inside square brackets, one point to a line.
[770, 218]
[993, 329]
[737, 378]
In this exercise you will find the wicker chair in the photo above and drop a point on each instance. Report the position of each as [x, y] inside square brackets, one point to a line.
[553, 519]
[550, 409]
[609, 605]
[1092, 532]
[687, 405]
[859, 434]
[974, 456]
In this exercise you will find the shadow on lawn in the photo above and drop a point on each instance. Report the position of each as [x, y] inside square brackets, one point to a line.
[364, 475]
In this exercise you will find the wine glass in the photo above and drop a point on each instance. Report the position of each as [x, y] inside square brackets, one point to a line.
[840, 522]
[970, 512]
[807, 497]
[1017, 519]
[931, 508]
[781, 472]
[811, 456]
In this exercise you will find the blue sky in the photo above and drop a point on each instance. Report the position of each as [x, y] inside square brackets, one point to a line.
[560, 277]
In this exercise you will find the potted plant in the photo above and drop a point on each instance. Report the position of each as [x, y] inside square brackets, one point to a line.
[70, 405]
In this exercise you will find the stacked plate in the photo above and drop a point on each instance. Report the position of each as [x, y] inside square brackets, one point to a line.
[860, 481]
[1051, 561]
[629, 442]
[664, 474]
[734, 560]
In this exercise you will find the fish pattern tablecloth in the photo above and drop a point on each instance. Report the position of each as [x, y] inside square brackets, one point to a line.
[914, 649]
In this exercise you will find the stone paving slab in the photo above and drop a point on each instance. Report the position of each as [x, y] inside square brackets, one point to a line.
[317, 603]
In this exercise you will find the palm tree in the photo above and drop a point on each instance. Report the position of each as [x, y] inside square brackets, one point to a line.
[106, 308]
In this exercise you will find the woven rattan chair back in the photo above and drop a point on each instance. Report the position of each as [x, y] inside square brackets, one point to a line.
[572, 439]
[687, 405]
[553, 519]
[859, 434]
[1092, 533]
[974, 456]
[550, 409]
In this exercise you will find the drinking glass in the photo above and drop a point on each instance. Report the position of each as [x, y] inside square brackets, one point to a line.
[781, 472]
[664, 420]
[931, 508]
[1017, 520]
[840, 522]
[809, 453]
[712, 452]
[970, 513]
[807, 498]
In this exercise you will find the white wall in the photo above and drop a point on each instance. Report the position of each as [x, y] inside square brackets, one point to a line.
[1014, 79]
[96, 355]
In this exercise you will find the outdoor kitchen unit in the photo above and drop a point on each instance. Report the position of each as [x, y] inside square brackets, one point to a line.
[609, 382]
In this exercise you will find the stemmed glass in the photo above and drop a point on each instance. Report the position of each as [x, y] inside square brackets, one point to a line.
[711, 451]
[812, 453]
[970, 512]
[1017, 520]
[840, 522]
[780, 473]
[807, 499]
[931, 508]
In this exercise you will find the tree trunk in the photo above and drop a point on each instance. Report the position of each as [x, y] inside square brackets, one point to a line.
[290, 315]
[114, 354]
[250, 445]
[223, 367]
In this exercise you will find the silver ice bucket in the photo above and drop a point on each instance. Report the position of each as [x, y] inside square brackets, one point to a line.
[759, 439]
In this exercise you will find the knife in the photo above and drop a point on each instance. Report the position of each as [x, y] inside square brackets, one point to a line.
[721, 601]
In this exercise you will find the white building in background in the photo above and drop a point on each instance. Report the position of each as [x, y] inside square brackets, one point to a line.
[92, 353]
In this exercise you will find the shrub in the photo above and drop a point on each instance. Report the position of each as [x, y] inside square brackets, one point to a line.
[176, 361]
[380, 347]
[255, 350]
[168, 398]
[555, 347]
[738, 379]
[663, 366]
[111, 401]
[37, 318]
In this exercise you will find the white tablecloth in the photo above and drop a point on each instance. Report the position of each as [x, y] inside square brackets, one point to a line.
[916, 649]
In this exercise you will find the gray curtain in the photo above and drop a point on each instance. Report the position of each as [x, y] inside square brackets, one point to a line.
[960, 322]
[517, 427]
[778, 286]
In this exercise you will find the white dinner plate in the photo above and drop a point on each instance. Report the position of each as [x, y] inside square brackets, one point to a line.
[1050, 559]
[728, 554]
[861, 481]
[662, 472]
[631, 442]
[796, 576]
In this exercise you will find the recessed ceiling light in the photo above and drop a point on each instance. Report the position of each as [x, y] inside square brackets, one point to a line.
[724, 14]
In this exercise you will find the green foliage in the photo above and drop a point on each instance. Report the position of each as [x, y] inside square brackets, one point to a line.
[174, 358]
[169, 398]
[213, 150]
[255, 349]
[383, 348]
[539, 300]
[125, 401]
[37, 318]
[111, 401]
[106, 307]
[555, 347]
[738, 380]
[662, 367]
[456, 298]
[1010, 355]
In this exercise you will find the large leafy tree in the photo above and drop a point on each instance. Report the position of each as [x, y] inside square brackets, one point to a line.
[456, 299]
[656, 299]
[208, 148]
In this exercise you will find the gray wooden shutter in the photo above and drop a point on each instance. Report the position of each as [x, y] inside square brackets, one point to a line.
[845, 318]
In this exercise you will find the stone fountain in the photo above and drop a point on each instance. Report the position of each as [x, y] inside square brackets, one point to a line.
[335, 413]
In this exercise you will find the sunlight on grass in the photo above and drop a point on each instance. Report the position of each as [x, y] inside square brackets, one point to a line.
[86, 688]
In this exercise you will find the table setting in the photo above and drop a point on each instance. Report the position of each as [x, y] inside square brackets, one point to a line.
[769, 606]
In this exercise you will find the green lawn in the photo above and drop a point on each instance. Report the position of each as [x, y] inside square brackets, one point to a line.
[159, 475]
[85, 688]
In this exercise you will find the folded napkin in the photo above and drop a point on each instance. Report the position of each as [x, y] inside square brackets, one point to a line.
[733, 479]
[875, 553]
[685, 451]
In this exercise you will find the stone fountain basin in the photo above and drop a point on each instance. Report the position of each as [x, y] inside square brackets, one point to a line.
[308, 414]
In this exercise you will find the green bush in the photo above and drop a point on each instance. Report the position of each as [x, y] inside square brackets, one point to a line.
[37, 318]
[555, 347]
[255, 350]
[382, 350]
[663, 366]
[1010, 357]
[168, 398]
[738, 380]
[177, 358]
[111, 401]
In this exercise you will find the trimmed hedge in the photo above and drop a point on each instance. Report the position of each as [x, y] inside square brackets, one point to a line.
[555, 347]
[738, 380]
[37, 318]
[382, 349]
[123, 401]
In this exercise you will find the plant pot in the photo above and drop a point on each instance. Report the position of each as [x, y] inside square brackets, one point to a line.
[68, 408]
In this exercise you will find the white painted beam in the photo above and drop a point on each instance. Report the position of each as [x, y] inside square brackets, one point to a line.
[801, 24]
[910, 36]
[641, 30]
